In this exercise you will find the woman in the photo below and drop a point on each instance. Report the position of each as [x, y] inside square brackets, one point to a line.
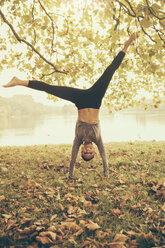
[88, 103]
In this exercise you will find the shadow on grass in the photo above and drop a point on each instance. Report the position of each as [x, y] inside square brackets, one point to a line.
[7, 241]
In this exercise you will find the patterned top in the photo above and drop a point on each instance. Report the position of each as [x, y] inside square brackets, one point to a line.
[86, 132]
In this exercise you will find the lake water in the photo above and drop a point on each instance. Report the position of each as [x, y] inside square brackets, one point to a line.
[60, 129]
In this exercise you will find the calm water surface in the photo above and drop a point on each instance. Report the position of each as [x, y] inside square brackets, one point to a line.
[60, 129]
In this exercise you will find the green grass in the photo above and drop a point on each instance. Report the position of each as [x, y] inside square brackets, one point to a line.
[37, 200]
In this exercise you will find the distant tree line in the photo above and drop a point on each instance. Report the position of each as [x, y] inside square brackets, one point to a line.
[24, 105]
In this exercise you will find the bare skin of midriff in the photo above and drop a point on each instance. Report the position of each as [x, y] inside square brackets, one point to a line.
[89, 115]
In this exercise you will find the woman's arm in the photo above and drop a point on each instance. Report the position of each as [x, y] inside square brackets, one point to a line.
[75, 149]
[129, 41]
[101, 149]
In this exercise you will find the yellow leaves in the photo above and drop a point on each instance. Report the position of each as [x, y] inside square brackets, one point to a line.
[10, 224]
[162, 23]
[7, 216]
[69, 225]
[120, 238]
[163, 207]
[146, 23]
[53, 217]
[90, 214]
[87, 204]
[92, 226]
[117, 212]
[2, 197]
[122, 241]
[61, 207]
[71, 198]
[116, 245]
[79, 232]
[28, 230]
[58, 197]
[101, 235]
[52, 228]
[158, 188]
[4, 169]
[46, 237]
[30, 185]
[123, 180]
[85, 243]
[74, 211]
[82, 223]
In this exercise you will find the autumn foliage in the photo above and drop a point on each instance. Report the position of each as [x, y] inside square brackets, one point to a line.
[41, 207]
[71, 42]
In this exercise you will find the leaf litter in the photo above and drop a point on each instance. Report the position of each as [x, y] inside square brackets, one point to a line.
[41, 207]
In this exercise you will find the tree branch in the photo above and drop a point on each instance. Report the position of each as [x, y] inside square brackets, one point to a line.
[51, 21]
[126, 9]
[33, 20]
[158, 32]
[28, 44]
[44, 75]
[152, 11]
[146, 33]
[131, 7]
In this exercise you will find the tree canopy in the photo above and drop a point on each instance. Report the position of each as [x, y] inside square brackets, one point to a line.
[71, 42]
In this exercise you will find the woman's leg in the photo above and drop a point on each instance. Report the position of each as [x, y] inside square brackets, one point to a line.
[66, 93]
[16, 81]
[101, 85]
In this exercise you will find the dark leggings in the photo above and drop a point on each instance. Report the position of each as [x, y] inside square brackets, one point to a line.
[88, 98]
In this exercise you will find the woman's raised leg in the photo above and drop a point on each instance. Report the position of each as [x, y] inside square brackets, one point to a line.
[99, 88]
[16, 81]
[66, 93]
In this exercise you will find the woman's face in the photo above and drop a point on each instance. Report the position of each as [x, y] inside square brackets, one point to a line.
[88, 151]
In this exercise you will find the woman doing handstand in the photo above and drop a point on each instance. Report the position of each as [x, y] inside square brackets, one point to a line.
[88, 102]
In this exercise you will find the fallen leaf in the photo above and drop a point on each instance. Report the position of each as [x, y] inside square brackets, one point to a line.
[52, 228]
[28, 230]
[92, 226]
[116, 211]
[163, 207]
[85, 243]
[11, 224]
[53, 217]
[82, 223]
[58, 197]
[52, 235]
[116, 245]
[7, 216]
[69, 225]
[87, 204]
[61, 207]
[120, 238]
[123, 180]
[25, 220]
[2, 197]
[79, 232]
[4, 169]
[44, 240]
[33, 245]
[101, 235]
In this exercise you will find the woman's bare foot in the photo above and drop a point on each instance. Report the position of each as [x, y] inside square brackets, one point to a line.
[16, 81]
[13, 82]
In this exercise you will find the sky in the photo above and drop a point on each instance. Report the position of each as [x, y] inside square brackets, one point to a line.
[7, 74]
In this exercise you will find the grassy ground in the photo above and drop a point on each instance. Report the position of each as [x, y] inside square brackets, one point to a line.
[40, 207]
